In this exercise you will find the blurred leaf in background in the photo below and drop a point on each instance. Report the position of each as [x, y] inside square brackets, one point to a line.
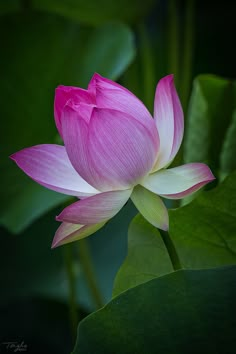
[46, 51]
[92, 12]
[210, 124]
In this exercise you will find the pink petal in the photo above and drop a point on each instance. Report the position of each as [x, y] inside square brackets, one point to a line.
[96, 209]
[168, 115]
[64, 94]
[151, 207]
[73, 232]
[178, 182]
[121, 149]
[49, 166]
[74, 123]
[111, 95]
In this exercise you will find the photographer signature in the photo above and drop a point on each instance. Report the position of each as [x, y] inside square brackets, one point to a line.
[15, 346]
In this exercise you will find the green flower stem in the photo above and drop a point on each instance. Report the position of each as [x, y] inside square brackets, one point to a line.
[173, 40]
[188, 49]
[186, 71]
[148, 69]
[86, 263]
[171, 250]
[73, 308]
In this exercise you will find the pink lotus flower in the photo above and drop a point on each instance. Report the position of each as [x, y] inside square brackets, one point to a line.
[113, 150]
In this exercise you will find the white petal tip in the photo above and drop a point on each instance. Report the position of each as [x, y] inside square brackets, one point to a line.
[56, 243]
[164, 227]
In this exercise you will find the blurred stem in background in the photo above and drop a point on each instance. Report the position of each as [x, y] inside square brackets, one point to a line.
[71, 276]
[148, 69]
[173, 51]
[87, 265]
[85, 260]
[188, 51]
[181, 59]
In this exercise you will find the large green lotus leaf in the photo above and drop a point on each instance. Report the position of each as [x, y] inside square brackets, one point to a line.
[180, 313]
[147, 257]
[204, 233]
[45, 51]
[209, 117]
[94, 12]
[227, 158]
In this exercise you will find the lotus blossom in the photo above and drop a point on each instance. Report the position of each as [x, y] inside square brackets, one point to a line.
[113, 150]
